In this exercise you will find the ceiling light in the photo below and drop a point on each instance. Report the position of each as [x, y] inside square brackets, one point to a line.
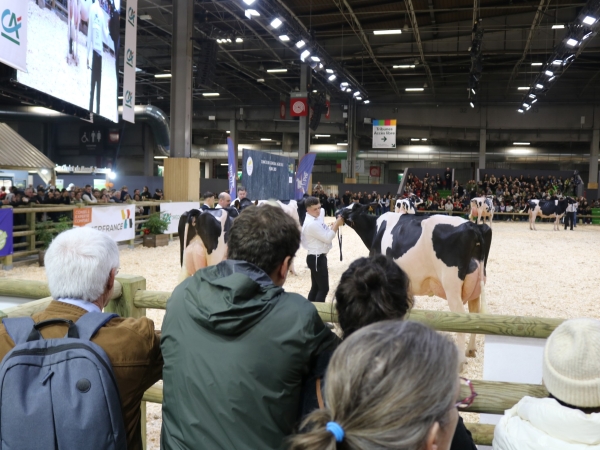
[322, 135]
[329, 70]
[423, 139]
[472, 105]
[160, 157]
[344, 84]
[145, 17]
[404, 66]
[414, 89]
[572, 42]
[120, 97]
[558, 26]
[332, 77]
[277, 71]
[367, 102]
[523, 88]
[535, 100]
[589, 20]
[349, 90]
[251, 12]
[137, 69]
[536, 64]
[315, 58]
[526, 105]
[357, 93]
[284, 37]
[359, 98]
[520, 151]
[162, 75]
[300, 44]
[521, 143]
[210, 94]
[265, 139]
[548, 73]
[473, 91]
[587, 36]
[539, 86]
[520, 110]
[415, 139]
[249, 2]
[229, 40]
[342, 143]
[551, 79]
[320, 65]
[239, 40]
[228, 132]
[305, 54]
[387, 32]
[315, 91]
[557, 62]
[260, 80]
[531, 95]
[276, 23]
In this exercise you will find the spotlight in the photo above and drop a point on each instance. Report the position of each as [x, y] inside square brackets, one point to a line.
[520, 110]
[572, 42]
[473, 91]
[557, 62]
[472, 105]
[536, 64]
[344, 84]
[551, 79]
[112, 175]
[329, 70]
[367, 102]
[305, 54]
[534, 101]
[539, 86]
[531, 95]
[332, 77]
[548, 73]
[249, 2]
[284, 37]
[300, 44]
[523, 88]
[348, 90]
[526, 105]
[357, 93]
[276, 23]
[315, 58]
[251, 12]
[589, 20]
[587, 36]
[239, 40]
[558, 26]
[359, 98]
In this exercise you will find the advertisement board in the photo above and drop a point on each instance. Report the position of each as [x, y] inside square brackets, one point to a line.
[117, 221]
[6, 232]
[13, 35]
[174, 212]
[73, 62]
[267, 176]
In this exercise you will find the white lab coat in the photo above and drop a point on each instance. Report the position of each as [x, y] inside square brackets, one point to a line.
[316, 236]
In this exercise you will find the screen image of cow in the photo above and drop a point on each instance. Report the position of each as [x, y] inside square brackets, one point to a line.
[71, 53]
[266, 176]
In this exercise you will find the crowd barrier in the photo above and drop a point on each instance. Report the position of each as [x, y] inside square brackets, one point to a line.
[28, 230]
[131, 299]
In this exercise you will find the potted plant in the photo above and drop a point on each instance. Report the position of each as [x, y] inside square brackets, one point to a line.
[152, 231]
[43, 233]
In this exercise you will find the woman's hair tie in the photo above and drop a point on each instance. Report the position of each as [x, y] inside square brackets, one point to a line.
[336, 429]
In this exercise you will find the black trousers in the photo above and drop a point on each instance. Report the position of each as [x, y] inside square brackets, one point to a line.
[569, 219]
[96, 80]
[319, 276]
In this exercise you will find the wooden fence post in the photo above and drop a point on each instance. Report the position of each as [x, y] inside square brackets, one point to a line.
[31, 227]
[125, 307]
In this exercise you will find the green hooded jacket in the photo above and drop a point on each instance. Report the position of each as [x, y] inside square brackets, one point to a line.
[236, 348]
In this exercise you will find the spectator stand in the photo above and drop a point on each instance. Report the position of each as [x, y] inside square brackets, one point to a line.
[130, 299]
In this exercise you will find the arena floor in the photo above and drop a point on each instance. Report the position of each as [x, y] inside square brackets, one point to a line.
[543, 273]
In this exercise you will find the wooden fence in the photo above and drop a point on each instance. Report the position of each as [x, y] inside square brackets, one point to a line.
[131, 299]
[28, 230]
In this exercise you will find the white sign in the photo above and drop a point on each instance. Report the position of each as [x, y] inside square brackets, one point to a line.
[175, 210]
[130, 61]
[359, 166]
[13, 33]
[117, 221]
[384, 136]
[249, 166]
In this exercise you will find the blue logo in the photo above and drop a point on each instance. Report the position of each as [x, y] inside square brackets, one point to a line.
[14, 24]
[130, 55]
[131, 16]
[128, 99]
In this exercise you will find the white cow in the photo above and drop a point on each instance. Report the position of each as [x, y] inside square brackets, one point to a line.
[78, 12]
[408, 205]
[482, 207]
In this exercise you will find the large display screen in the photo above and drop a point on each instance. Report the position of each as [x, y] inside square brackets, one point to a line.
[72, 53]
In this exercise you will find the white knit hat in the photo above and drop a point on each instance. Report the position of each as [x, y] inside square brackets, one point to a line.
[571, 369]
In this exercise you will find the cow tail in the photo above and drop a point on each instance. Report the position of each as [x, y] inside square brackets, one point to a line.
[184, 241]
[482, 302]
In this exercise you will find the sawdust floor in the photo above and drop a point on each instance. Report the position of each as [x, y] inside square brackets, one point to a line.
[543, 273]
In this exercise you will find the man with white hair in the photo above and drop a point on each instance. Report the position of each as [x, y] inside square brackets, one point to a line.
[81, 266]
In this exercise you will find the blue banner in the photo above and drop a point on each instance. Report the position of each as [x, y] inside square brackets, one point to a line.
[303, 173]
[267, 176]
[232, 168]
[6, 232]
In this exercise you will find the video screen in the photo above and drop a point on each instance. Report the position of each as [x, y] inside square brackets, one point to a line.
[72, 53]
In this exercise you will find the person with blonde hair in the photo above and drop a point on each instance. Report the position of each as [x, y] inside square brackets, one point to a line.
[390, 385]
[570, 418]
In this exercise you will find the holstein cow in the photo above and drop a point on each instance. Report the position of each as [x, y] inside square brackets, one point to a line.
[482, 207]
[548, 209]
[203, 236]
[408, 205]
[442, 255]
[78, 12]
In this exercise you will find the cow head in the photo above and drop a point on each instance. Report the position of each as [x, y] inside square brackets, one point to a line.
[408, 205]
[244, 203]
[352, 212]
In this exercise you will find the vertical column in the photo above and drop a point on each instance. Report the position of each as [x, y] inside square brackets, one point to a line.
[287, 142]
[593, 183]
[233, 134]
[149, 147]
[352, 143]
[482, 147]
[181, 79]
[304, 141]
[208, 168]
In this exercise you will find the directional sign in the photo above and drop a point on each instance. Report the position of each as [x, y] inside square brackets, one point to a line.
[92, 138]
[384, 133]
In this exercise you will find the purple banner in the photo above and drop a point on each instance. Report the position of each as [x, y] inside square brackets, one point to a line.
[232, 168]
[303, 173]
[6, 231]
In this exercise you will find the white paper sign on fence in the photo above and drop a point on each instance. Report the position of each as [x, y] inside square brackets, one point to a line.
[130, 61]
[13, 33]
[175, 210]
[117, 221]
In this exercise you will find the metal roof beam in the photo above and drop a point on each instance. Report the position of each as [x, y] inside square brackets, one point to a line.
[415, 26]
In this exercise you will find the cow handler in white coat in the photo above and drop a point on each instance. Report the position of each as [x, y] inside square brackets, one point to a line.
[569, 419]
[316, 239]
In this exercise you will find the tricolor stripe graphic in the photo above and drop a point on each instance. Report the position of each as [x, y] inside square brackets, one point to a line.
[381, 123]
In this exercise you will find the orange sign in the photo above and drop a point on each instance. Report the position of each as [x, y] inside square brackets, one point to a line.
[82, 216]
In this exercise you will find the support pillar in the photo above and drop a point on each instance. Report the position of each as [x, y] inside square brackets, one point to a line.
[287, 142]
[181, 79]
[149, 146]
[234, 135]
[593, 183]
[304, 130]
[482, 148]
[208, 168]
[352, 147]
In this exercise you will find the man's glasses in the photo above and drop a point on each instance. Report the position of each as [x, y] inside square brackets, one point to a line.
[466, 402]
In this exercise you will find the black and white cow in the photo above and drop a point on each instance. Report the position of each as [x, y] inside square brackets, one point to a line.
[203, 236]
[548, 209]
[408, 205]
[482, 207]
[442, 255]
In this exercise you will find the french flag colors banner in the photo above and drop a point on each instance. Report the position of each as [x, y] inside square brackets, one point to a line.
[384, 133]
[6, 232]
[303, 173]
